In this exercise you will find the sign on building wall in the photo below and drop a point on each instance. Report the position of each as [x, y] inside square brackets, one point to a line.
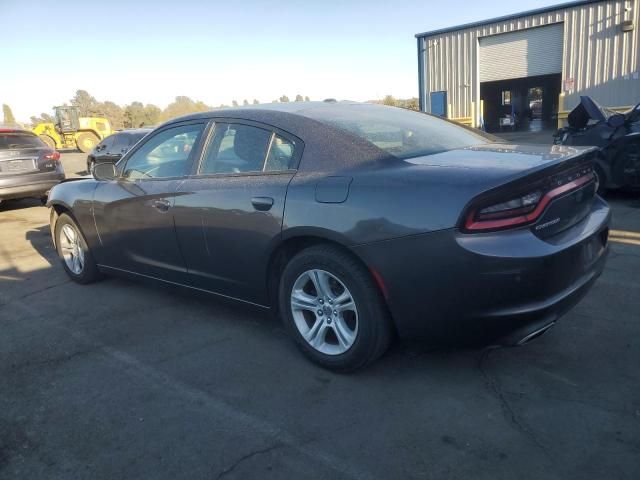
[569, 85]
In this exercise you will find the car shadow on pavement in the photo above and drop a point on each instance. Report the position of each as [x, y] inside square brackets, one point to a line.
[9, 205]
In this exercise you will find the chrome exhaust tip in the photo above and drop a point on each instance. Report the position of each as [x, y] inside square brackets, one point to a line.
[535, 334]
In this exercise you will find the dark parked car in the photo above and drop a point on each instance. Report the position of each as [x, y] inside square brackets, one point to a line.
[353, 221]
[617, 136]
[112, 148]
[28, 167]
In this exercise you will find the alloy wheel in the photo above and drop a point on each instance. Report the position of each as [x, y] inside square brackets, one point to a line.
[71, 249]
[324, 312]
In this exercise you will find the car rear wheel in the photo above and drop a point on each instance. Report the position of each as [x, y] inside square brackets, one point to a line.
[73, 251]
[333, 309]
[86, 142]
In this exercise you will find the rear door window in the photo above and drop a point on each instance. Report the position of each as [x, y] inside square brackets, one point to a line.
[121, 143]
[281, 154]
[106, 144]
[236, 148]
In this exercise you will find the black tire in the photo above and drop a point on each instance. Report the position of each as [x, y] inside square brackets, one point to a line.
[601, 179]
[89, 272]
[86, 142]
[49, 141]
[374, 330]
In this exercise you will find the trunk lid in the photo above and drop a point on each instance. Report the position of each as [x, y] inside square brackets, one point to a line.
[498, 173]
[16, 162]
[25, 161]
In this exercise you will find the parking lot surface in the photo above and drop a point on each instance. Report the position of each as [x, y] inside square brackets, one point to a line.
[125, 380]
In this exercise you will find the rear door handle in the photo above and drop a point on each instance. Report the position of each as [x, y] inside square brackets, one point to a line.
[161, 204]
[262, 203]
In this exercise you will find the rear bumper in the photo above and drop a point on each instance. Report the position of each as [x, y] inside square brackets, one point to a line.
[447, 285]
[29, 185]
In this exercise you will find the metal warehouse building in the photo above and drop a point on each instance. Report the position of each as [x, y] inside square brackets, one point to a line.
[531, 68]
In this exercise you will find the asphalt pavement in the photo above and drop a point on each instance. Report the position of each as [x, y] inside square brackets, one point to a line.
[126, 380]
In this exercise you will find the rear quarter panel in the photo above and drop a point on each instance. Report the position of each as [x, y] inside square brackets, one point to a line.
[382, 202]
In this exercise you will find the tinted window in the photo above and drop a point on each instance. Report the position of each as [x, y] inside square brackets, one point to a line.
[136, 137]
[121, 142]
[106, 144]
[166, 154]
[280, 154]
[19, 140]
[236, 148]
[402, 133]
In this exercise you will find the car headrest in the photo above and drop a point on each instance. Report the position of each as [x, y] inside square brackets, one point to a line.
[249, 145]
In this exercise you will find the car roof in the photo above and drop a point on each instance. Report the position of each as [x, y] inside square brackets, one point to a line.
[15, 129]
[295, 108]
[134, 130]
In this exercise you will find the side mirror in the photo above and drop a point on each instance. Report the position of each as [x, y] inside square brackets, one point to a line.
[104, 171]
[615, 121]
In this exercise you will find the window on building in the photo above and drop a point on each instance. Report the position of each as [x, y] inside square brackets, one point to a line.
[506, 97]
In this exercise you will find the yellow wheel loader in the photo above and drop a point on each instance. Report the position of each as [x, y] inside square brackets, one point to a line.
[70, 130]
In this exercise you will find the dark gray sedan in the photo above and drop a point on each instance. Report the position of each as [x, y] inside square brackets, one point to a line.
[28, 167]
[354, 222]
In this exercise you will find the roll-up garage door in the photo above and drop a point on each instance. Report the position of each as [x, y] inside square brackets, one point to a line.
[523, 53]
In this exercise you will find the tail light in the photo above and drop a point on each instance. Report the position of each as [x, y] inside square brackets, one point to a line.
[52, 156]
[525, 207]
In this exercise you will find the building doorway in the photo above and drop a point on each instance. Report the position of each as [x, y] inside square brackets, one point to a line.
[521, 104]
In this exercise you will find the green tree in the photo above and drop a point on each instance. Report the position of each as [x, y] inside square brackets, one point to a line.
[411, 104]
[307, 99]
[113, 112]
[183, 106]
[299, 98]
[234, 103]
[134, 115]
[151, 115]
[389, 100]
[245, 102]
[87, 105]
[9, 119]
[284, 98]
[43, 118]
[256, 102]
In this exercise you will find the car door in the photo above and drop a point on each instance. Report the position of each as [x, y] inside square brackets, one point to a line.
[100, 152]
[229, 212]
[134, 212]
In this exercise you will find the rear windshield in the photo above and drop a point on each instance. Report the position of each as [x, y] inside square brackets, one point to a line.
[9, 141]
[402, 133]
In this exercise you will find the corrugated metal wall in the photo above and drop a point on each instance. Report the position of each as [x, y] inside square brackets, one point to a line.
[599, 59]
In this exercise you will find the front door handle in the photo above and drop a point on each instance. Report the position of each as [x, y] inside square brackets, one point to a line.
[262, 203]
[162, 204]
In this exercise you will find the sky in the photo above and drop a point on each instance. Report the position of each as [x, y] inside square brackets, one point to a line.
[218, 51]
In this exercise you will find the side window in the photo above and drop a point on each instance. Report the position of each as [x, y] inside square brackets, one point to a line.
[280, 154]
[167, 154]
[236, 148]
[121, 142]
[106, 144]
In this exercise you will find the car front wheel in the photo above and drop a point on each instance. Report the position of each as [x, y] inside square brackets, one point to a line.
[333, 309]
[73, 251]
